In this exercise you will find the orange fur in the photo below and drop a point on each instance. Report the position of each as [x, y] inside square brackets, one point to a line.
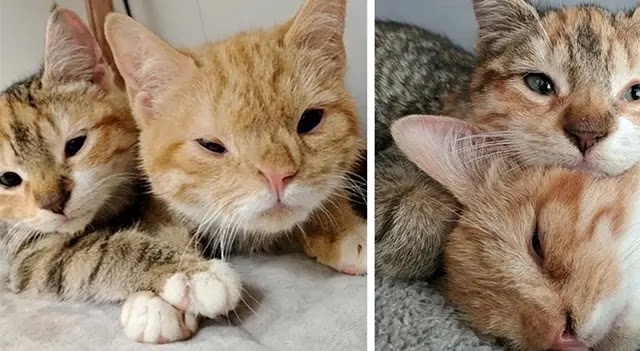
[585, 282]
[247, 93]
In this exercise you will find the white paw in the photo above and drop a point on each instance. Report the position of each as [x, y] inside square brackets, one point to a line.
[148, 318]
[352, 252]
[210, 293]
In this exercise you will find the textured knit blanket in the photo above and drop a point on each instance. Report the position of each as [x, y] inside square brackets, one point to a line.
[414, 316]
[295, 304]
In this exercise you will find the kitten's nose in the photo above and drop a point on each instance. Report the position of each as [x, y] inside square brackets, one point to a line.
[566, 339]
[55, 202]
[278, 179]
[584, 140]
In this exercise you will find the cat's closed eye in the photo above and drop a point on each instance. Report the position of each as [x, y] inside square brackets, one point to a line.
[309, 120]
[539, 83]
[633, 93]
[73, 146]
[536, 246]
[215, 147]
[10, 180]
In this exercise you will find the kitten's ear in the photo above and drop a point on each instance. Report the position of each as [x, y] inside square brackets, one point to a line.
[71, 52]
[636, 13]
[499, 20]
[447, 149]
[150, 67]
[319, 25]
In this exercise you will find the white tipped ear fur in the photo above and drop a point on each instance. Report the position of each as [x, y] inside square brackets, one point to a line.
[150, 67]
[71, 52]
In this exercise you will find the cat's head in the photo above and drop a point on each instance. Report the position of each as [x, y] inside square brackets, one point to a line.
[542, 258]
[254, 132]
[562, 86]
[67, 138]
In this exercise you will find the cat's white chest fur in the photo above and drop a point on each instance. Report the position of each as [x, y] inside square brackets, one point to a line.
[629, 256]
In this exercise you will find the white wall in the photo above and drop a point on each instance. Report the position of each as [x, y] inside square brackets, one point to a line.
[181, 22]
[455, 19]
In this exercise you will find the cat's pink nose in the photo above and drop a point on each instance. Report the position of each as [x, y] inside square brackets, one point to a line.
[584, 140]
[567, 341]
[278, 180]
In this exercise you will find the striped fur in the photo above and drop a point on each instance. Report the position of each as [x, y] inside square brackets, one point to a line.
[69, 226]
[414, 70]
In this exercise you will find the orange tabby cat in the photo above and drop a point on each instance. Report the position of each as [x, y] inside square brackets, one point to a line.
[249, 140]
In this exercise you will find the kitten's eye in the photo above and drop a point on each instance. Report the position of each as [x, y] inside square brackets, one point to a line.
[212, 146]
[536, 245]
[309, 120]
[10, 180]
[540, 83]
[633, 94]
[74, 145]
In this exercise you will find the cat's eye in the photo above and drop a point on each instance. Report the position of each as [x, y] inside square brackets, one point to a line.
[633, 94]
[10, 180]
[214, 147]
[309, 120]
[73, 146]
[540, 83]
[536, 245]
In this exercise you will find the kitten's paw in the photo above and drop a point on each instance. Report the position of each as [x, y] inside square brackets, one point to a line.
[352, 253]
[148, 318]
[210, 293]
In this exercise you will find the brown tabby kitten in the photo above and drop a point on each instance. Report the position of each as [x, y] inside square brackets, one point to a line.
[68, 184]
[250, 140]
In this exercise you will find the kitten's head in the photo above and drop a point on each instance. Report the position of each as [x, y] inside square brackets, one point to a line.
[67, 138]
[545, 259]
[562, 86]
[254, 132]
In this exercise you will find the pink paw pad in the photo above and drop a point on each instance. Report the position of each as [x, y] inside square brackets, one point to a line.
[183, 305]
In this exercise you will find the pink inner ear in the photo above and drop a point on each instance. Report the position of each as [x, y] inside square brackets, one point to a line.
[72, 53]
[434, 144]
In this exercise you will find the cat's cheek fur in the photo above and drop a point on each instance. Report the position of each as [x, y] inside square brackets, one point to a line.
[620, 151]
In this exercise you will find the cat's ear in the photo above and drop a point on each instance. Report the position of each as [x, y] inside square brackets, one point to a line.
[636, 13]
[319, 26]
[500, 20]
[71, 52]
[151, 68]
[447, 149]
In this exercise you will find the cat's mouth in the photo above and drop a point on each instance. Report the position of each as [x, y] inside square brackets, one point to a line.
[280, 209]
[72, 222]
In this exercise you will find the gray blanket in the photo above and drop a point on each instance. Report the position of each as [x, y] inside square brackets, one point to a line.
[414, 316]
[295, 304]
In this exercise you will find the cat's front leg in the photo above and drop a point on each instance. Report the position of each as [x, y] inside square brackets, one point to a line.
[131, 266]
[337, 237]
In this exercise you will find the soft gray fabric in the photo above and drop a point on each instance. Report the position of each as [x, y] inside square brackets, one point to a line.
[301, 306]
[414, 316]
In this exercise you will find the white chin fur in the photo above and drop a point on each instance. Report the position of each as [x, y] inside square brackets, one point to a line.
[255, 213]
[258, 209]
